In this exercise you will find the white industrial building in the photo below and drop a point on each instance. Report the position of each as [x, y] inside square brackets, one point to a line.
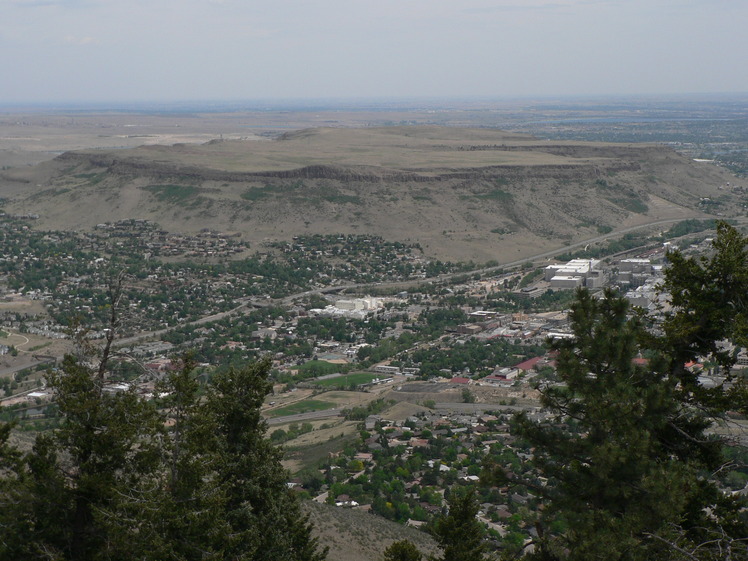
[358, 308]
[359, 304]
[575, 273]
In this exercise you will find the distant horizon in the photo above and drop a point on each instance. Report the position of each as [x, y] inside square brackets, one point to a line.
[207, 105]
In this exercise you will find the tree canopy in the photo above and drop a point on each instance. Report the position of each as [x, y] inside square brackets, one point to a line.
[124, 477]
[628, 453]
[403, 550]
[458, 533]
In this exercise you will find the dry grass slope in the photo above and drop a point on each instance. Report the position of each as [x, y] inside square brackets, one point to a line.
[462, 193]
[354, 535]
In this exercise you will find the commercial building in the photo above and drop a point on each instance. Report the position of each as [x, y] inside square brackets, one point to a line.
[575, 273]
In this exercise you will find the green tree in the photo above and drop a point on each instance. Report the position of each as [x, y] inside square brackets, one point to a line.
[626, 450]
[265, 518]
[78, 479]
[12, 526]
[113, 482]
[185, 519]
[459, 534]
[707, 294]
[403, 550]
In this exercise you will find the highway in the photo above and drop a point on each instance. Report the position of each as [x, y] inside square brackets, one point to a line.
[248, 304]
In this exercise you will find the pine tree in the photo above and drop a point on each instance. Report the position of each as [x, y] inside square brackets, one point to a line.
[124, 477]
[617, 470]
[12, 497]
[77, 476]
[627, 453]
[265, 518]
[403, 550]
[185, 515]
[459, 534]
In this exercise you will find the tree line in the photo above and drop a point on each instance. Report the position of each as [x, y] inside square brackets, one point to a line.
[189, 475]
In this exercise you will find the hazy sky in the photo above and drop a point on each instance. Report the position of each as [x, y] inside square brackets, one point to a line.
[153, 50]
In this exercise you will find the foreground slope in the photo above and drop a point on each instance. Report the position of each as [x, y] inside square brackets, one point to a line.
[462, 193]
[354, 535]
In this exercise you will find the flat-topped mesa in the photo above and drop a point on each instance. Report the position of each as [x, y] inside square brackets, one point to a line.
[347, 174]
[479, 194]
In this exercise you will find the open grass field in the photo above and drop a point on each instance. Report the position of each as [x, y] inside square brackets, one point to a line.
[28, 346]
[308, 449]
[344, 398]
[391, 147]
[320, 367]
[303, 406]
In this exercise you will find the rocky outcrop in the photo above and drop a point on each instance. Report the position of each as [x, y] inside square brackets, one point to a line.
[163, 170]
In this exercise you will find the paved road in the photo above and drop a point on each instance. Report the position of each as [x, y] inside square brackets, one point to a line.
[13, 369]
[501, 266]
[583, 243]
[453, 407]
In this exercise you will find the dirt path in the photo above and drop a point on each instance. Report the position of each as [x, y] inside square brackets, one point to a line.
[25, 341]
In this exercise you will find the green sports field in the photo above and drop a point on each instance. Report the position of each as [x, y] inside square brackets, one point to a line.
[302, 407]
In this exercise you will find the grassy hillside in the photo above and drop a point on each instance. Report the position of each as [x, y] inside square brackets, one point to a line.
[462, 194]
[354, 535]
